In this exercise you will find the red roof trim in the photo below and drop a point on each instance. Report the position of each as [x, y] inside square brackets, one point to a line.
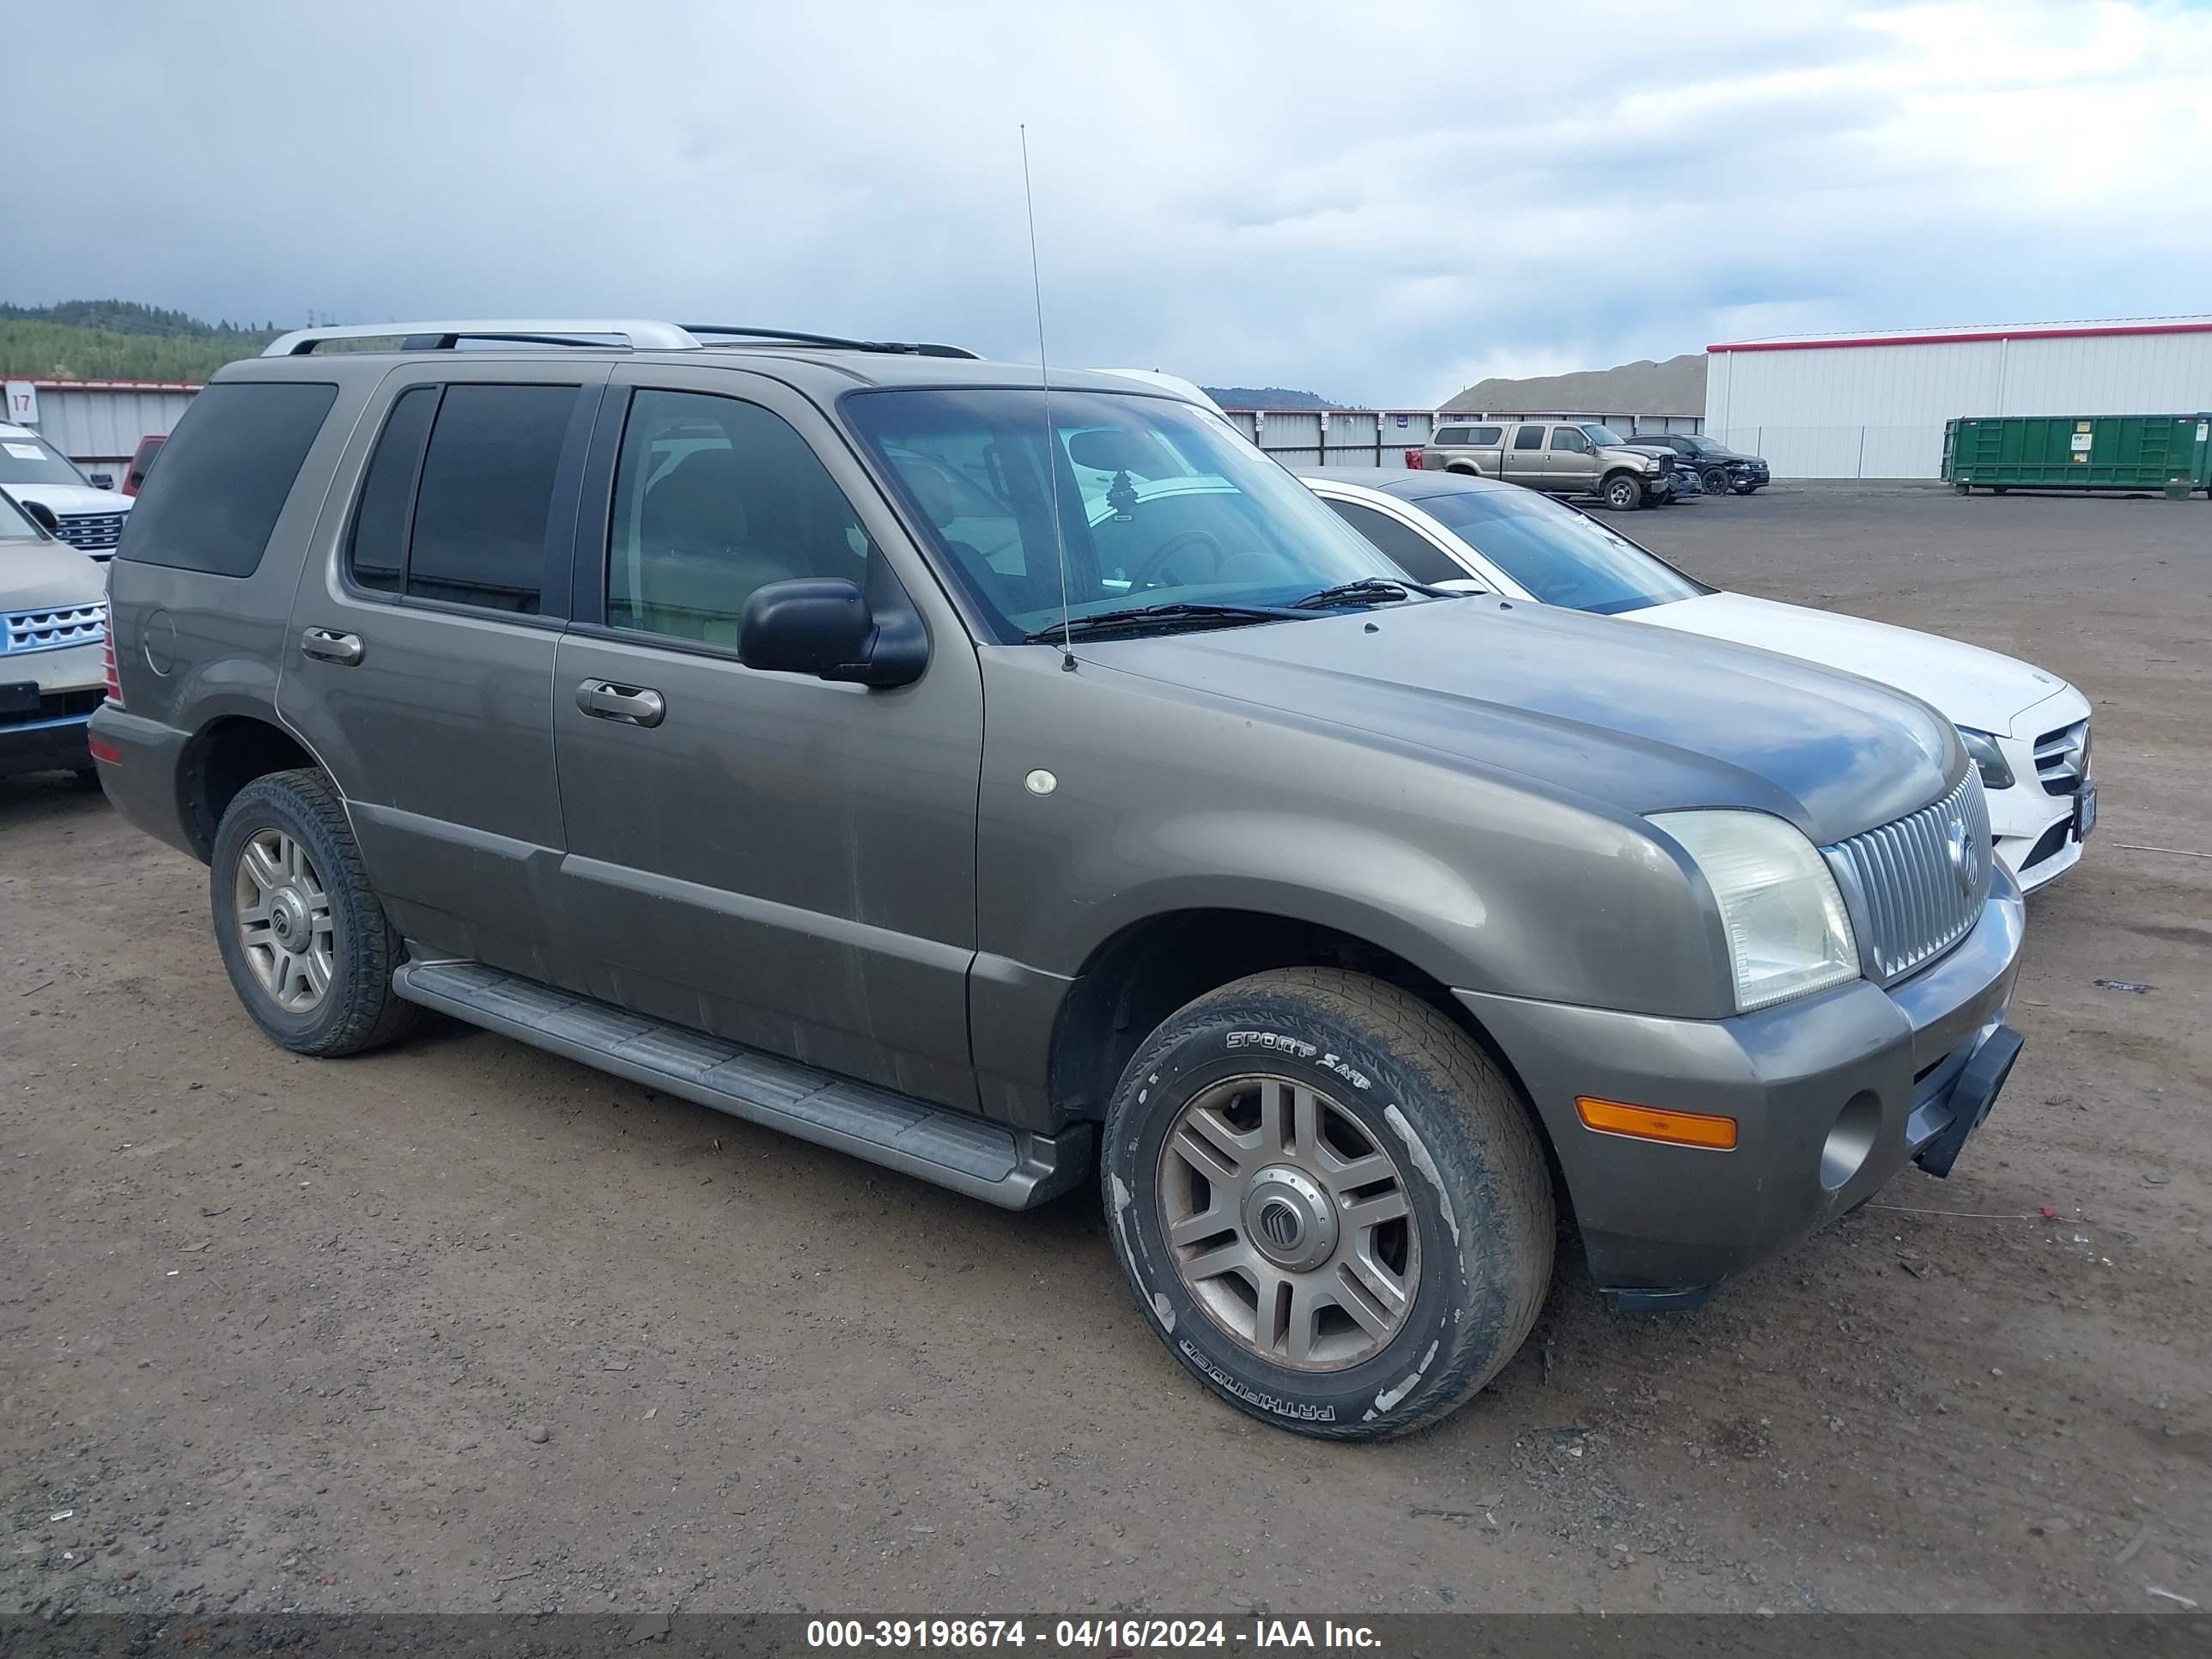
[1966, 336]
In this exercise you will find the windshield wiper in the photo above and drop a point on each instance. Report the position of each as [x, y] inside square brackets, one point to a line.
[1372, 589]
[1140, 615]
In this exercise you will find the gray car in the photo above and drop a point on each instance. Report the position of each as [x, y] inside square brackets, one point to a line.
[996, 782]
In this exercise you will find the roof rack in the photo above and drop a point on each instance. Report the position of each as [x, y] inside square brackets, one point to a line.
[632, 333]
[837, 341]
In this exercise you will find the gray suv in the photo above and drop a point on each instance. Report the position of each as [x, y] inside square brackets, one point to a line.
[992, 782]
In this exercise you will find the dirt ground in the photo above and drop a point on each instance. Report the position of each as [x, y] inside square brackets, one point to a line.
[464, 1327]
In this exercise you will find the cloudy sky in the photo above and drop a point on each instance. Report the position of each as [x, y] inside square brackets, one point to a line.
[1382, 211]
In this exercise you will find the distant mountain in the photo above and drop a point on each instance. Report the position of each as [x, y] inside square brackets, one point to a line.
[120, 340]
[1676, 386]
[1266, 397]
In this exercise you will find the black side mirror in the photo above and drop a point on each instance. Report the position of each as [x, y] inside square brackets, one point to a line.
[43, 516]
[824, 626]
[103, 480]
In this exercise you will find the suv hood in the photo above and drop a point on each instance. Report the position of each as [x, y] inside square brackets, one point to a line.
[34, 575]
[1644, 720]
[65, 499]
[1973, 687]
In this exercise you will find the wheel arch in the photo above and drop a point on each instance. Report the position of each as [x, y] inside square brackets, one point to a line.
[1133, 981]
[223, 755]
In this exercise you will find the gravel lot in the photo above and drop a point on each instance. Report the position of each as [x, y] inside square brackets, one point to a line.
[464, 1327]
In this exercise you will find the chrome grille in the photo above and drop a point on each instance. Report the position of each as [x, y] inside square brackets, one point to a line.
[1916, 886]
[50, 631]
[2062, 758]
[90, 531]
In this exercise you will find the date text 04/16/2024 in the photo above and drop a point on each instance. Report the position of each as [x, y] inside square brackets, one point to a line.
[1106, 1636]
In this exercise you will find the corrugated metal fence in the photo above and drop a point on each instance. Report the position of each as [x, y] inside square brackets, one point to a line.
[1380, 437]
[98, 423]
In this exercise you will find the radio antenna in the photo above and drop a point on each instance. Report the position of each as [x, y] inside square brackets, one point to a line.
[1044, 376]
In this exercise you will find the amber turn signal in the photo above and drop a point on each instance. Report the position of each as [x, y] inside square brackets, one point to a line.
[1615, 1117]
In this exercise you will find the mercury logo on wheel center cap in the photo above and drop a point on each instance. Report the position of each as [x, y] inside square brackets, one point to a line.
[1289, 1218]
[288, 917]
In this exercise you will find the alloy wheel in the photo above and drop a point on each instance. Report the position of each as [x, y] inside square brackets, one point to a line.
[284, 922]
[1290, 1223]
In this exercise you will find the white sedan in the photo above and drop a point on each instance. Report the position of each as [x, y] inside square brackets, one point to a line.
[2027, 731]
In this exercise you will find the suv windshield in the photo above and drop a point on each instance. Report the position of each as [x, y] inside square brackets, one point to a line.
[1598, 433]
[16, 526]
[1160, 504]
[1559, 556]
[28, 459]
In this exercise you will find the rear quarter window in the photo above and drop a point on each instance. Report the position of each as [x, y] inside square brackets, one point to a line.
[225, 473]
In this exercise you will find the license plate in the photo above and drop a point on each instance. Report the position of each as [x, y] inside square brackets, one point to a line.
[21, 697]
[2085, 810]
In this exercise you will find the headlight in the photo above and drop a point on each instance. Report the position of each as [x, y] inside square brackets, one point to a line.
[1988, 758]
[1787, 932]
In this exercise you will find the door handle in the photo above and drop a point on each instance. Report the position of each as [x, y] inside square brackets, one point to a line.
[633, 705]
[330, 645]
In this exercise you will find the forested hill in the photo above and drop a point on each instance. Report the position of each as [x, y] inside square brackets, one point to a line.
[120, 340]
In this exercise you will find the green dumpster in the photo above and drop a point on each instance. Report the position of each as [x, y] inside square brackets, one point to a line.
[2169, 452]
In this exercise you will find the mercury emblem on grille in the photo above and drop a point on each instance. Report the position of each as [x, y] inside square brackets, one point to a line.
[1966, 857]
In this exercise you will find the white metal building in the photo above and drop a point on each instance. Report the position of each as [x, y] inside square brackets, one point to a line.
[1873, 405]
[98, 423]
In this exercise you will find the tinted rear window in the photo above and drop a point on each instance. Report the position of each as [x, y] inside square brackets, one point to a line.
[225, 472]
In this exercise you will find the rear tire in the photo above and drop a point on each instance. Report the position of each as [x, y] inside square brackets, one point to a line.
[305, 940]
[1375, 1238]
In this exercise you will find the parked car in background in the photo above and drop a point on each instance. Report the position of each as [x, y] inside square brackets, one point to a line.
[87, 512]
[1688, 486]
[1560, 458]
[2027, 730]
[1721, 468]
[134, 476]
[53, 631]
[631, 702]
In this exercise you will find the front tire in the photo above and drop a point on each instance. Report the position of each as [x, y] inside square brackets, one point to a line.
[305, 940]
[1622, 493]
[1715, 481]
[1330, 1204]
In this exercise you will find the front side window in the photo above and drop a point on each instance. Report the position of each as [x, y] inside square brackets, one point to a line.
[713, 498]
[1559, 554]
[28, 459]
[1407, 548]
[1528, 437]
[1159, 503]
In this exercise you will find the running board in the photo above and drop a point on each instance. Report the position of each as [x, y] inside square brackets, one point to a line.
[1010, 1167]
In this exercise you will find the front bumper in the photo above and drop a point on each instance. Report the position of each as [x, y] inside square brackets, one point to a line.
[46, 698]
[53, 742]
[1831, 1096]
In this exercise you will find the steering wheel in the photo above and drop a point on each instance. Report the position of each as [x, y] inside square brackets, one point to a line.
[1168, 549]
